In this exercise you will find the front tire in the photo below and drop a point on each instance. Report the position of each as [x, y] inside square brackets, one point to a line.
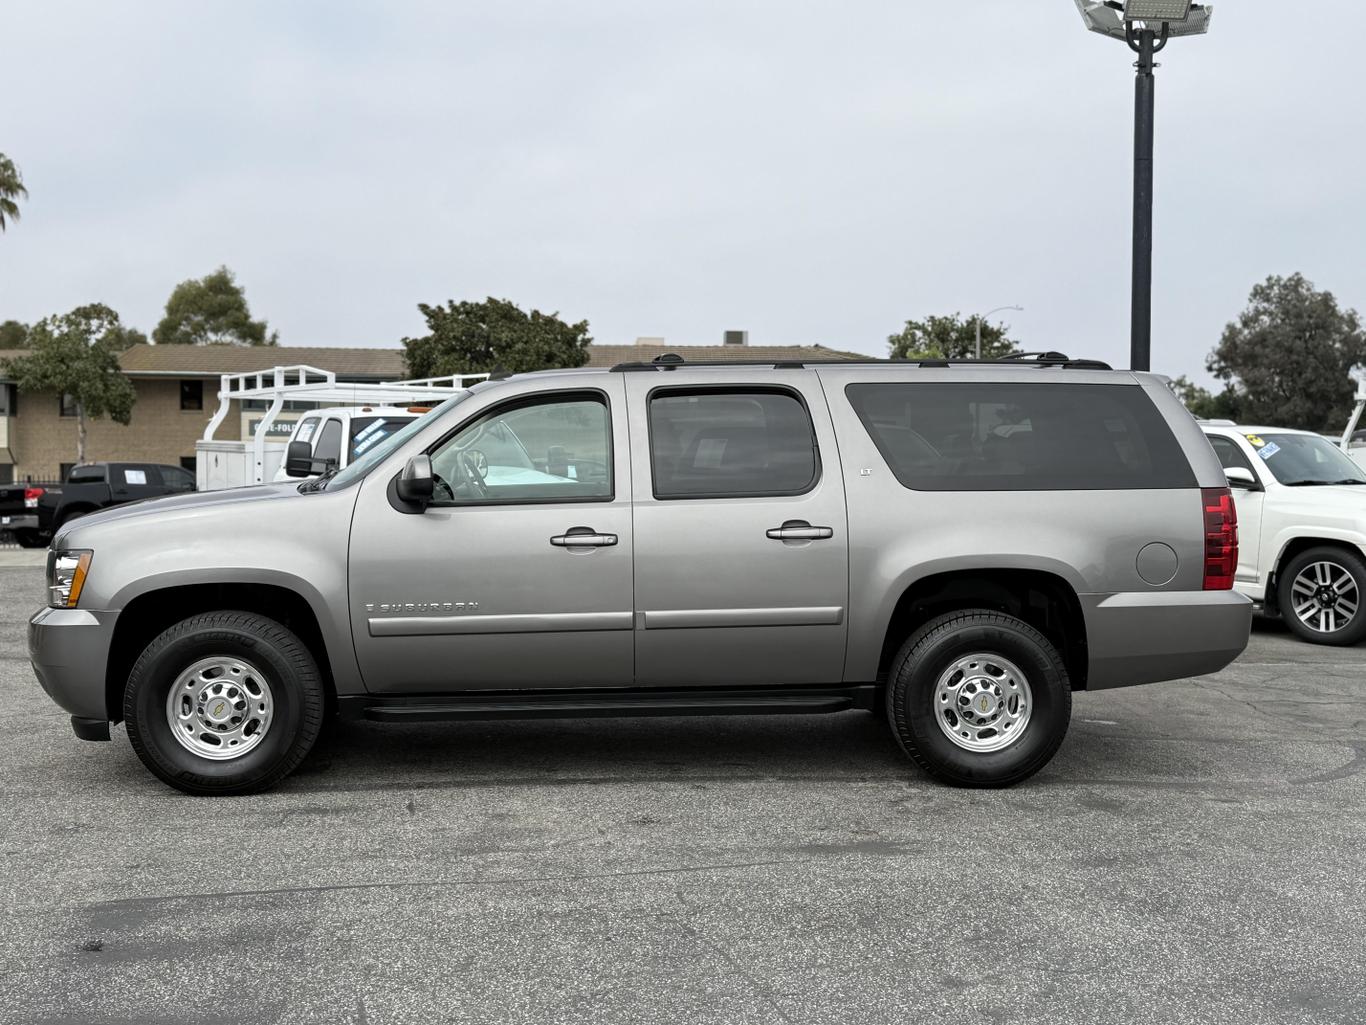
[224, 703]
[979, 699]
[1320, 593]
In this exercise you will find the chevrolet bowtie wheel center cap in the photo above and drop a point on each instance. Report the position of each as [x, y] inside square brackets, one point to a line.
[220, 708]
[983, 703]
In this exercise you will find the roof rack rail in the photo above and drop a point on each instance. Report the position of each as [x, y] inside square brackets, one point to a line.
[672, 361]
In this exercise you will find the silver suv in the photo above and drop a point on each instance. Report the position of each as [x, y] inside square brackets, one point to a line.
[960, 546]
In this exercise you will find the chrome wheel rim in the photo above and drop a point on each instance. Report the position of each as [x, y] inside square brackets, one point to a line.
[220, 708]
[983, 703]
[1325, 597]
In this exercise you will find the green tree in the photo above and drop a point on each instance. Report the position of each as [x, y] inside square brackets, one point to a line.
[477, 338]
[1289, 355]
[11, 191]
[950, 338]
[13, 335]
[211, 310]
[1203, 403]
[77, 354]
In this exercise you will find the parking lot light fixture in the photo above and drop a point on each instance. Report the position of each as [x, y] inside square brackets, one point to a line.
[1156, 10]
[1146, 26]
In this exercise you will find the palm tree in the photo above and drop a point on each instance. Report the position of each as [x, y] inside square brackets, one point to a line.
[11, 189]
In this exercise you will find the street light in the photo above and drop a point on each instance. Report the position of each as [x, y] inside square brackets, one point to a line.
[1018, 309]
[1146, 26]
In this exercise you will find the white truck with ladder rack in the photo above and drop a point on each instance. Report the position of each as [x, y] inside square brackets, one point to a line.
[1354, 438]
[351, 418]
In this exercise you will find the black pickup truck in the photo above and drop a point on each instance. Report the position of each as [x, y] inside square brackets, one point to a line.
[34, 512]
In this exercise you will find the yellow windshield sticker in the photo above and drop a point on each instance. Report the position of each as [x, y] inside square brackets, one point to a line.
[1255, 441]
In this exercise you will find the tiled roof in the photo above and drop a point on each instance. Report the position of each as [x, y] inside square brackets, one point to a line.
[611, 355]
[212, 360]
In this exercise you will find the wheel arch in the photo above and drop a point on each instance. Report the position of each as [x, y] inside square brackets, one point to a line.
[1044, 600]
[150, 612]
[1295, 546]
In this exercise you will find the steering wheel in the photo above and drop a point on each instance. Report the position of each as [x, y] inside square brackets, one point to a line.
[470, 464]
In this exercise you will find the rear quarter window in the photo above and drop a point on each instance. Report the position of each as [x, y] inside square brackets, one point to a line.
[966, 436]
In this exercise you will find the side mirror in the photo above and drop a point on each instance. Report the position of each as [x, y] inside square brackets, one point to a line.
[299, 459]
[1241, 477]
[415, 483]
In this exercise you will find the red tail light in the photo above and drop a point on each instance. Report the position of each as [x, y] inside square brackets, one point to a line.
[1221, 539]
[31, 496]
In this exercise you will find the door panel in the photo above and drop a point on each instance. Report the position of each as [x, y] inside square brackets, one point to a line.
[722, 595]
[490, 593]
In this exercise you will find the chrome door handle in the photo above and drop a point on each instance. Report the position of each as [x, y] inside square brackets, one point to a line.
[800, 530]
[583, 537]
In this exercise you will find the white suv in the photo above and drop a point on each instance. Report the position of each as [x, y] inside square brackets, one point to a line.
[1302, 528]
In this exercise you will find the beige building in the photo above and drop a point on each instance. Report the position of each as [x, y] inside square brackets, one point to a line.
[177, 393]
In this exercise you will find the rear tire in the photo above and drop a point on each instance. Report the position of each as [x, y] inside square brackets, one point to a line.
[241, 682]
[1321, 588]
[979, 699]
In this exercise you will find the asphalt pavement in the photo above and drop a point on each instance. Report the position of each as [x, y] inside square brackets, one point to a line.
[1195, 853]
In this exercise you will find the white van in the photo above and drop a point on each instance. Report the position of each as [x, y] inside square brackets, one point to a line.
[326, 439]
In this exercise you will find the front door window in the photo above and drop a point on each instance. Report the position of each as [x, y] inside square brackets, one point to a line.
[555, 450]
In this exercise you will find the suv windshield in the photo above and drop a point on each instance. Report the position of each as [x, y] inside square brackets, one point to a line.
[381, 451]
[1304, 460]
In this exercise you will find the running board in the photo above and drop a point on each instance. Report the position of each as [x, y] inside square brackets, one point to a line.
[606, 704]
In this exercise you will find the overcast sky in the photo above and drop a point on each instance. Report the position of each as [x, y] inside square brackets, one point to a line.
[811, 172]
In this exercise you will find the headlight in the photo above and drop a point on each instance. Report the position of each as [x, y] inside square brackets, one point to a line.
[66, 576]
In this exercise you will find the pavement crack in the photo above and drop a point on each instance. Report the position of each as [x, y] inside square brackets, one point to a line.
[764, 992]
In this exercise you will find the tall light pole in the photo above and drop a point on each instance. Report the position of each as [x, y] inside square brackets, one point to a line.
[1019, 309]
[1146, 25]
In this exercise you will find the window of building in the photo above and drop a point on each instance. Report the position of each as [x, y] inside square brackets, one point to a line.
[66, 404]
[192, 395]
[65, 472]
[6, 473]
[993, 436]
[557, 448]
[189, 463]
[9, 399]
[725, 443]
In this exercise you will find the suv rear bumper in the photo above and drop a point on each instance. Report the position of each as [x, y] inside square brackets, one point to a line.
[1137, 637]
[69, 649]
[24, 522]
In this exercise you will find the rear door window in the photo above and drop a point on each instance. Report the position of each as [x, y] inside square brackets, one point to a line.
[87, 475]
[731, 443]
[307, 431]
[965, 436]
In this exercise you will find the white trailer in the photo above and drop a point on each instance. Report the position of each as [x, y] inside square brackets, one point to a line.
[231, 464]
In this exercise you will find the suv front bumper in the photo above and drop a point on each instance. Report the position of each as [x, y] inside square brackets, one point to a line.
[69, 650]
[1147, 637]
